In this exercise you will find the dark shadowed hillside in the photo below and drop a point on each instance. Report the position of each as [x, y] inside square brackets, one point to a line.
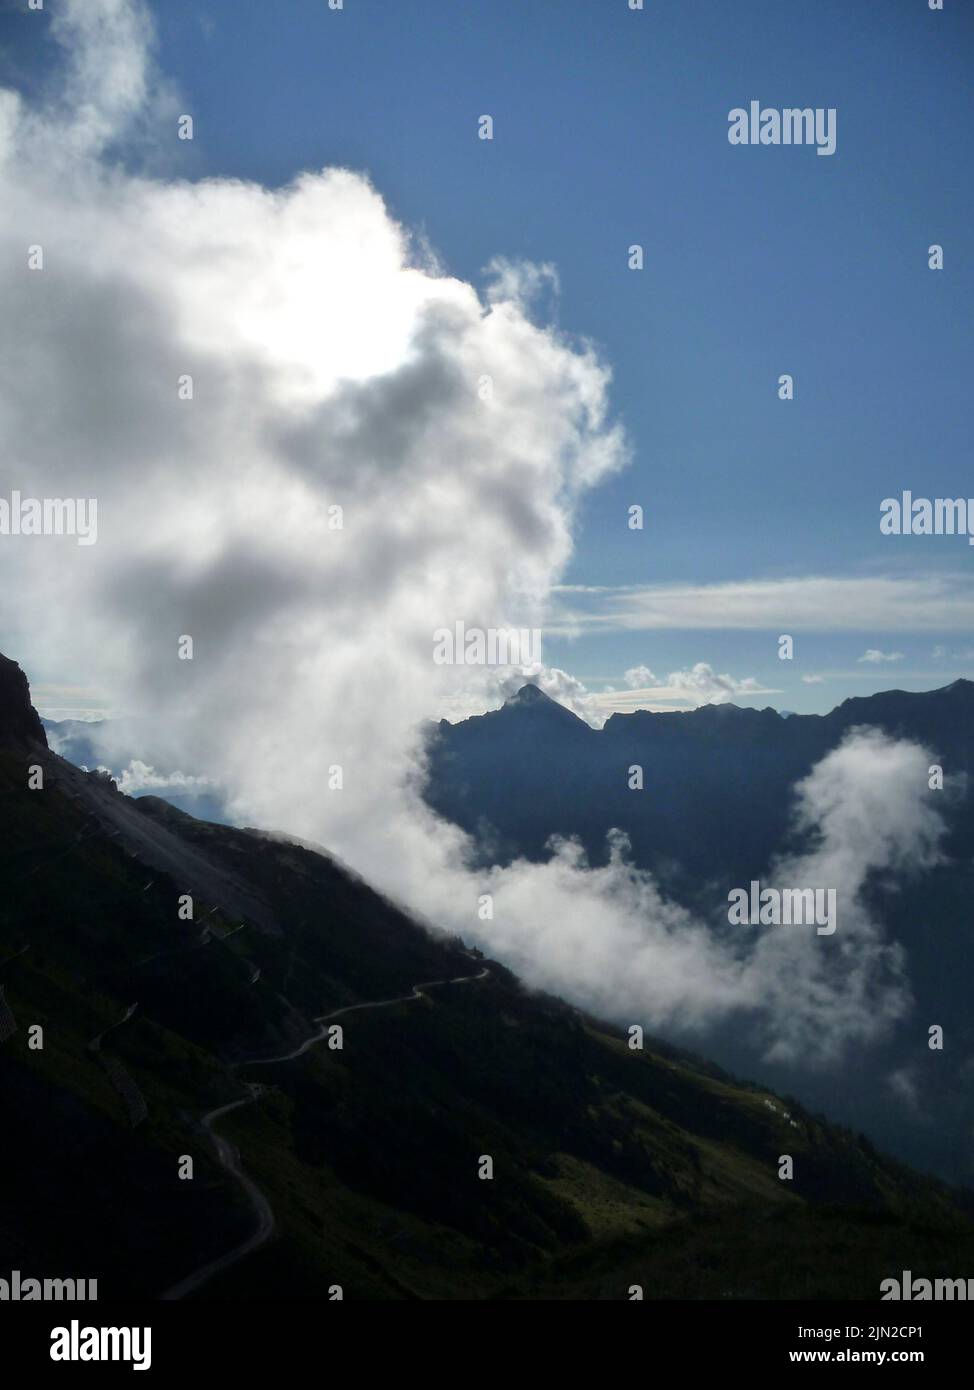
[610, 1166]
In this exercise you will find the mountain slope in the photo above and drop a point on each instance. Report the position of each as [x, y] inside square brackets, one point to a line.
[606, 1160]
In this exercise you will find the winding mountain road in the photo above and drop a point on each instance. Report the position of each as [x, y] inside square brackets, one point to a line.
[95, 1044]
[229, 1156]
[323, 1019]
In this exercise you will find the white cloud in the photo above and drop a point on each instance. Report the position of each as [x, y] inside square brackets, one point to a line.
[702, 682]
[874, 657]
[640, 678]
[867, 814]
[138, 778]
[697, 685]
[813, 680]
[520, 282]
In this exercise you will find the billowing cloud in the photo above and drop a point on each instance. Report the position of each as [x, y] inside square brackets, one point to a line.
[372, 451]
[867, 817]
[640, 678]
[610, 937]
[138, 778]
[333, 366]
[696, 685]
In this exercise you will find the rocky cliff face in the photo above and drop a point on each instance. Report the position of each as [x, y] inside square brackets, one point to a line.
[19, 721]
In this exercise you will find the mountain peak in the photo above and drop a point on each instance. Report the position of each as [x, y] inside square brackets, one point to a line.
[532, 704]
[529, 695]
[19, 721]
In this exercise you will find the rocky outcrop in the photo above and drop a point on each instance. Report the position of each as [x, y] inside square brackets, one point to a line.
[19, 721]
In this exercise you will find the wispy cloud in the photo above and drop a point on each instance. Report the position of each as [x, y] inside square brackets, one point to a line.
[963, 654]
[891, 603]
[874, 657]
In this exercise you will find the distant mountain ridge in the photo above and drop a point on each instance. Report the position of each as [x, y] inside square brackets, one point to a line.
[533, 768]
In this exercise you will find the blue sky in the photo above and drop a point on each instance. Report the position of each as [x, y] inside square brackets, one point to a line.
[611, 129]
